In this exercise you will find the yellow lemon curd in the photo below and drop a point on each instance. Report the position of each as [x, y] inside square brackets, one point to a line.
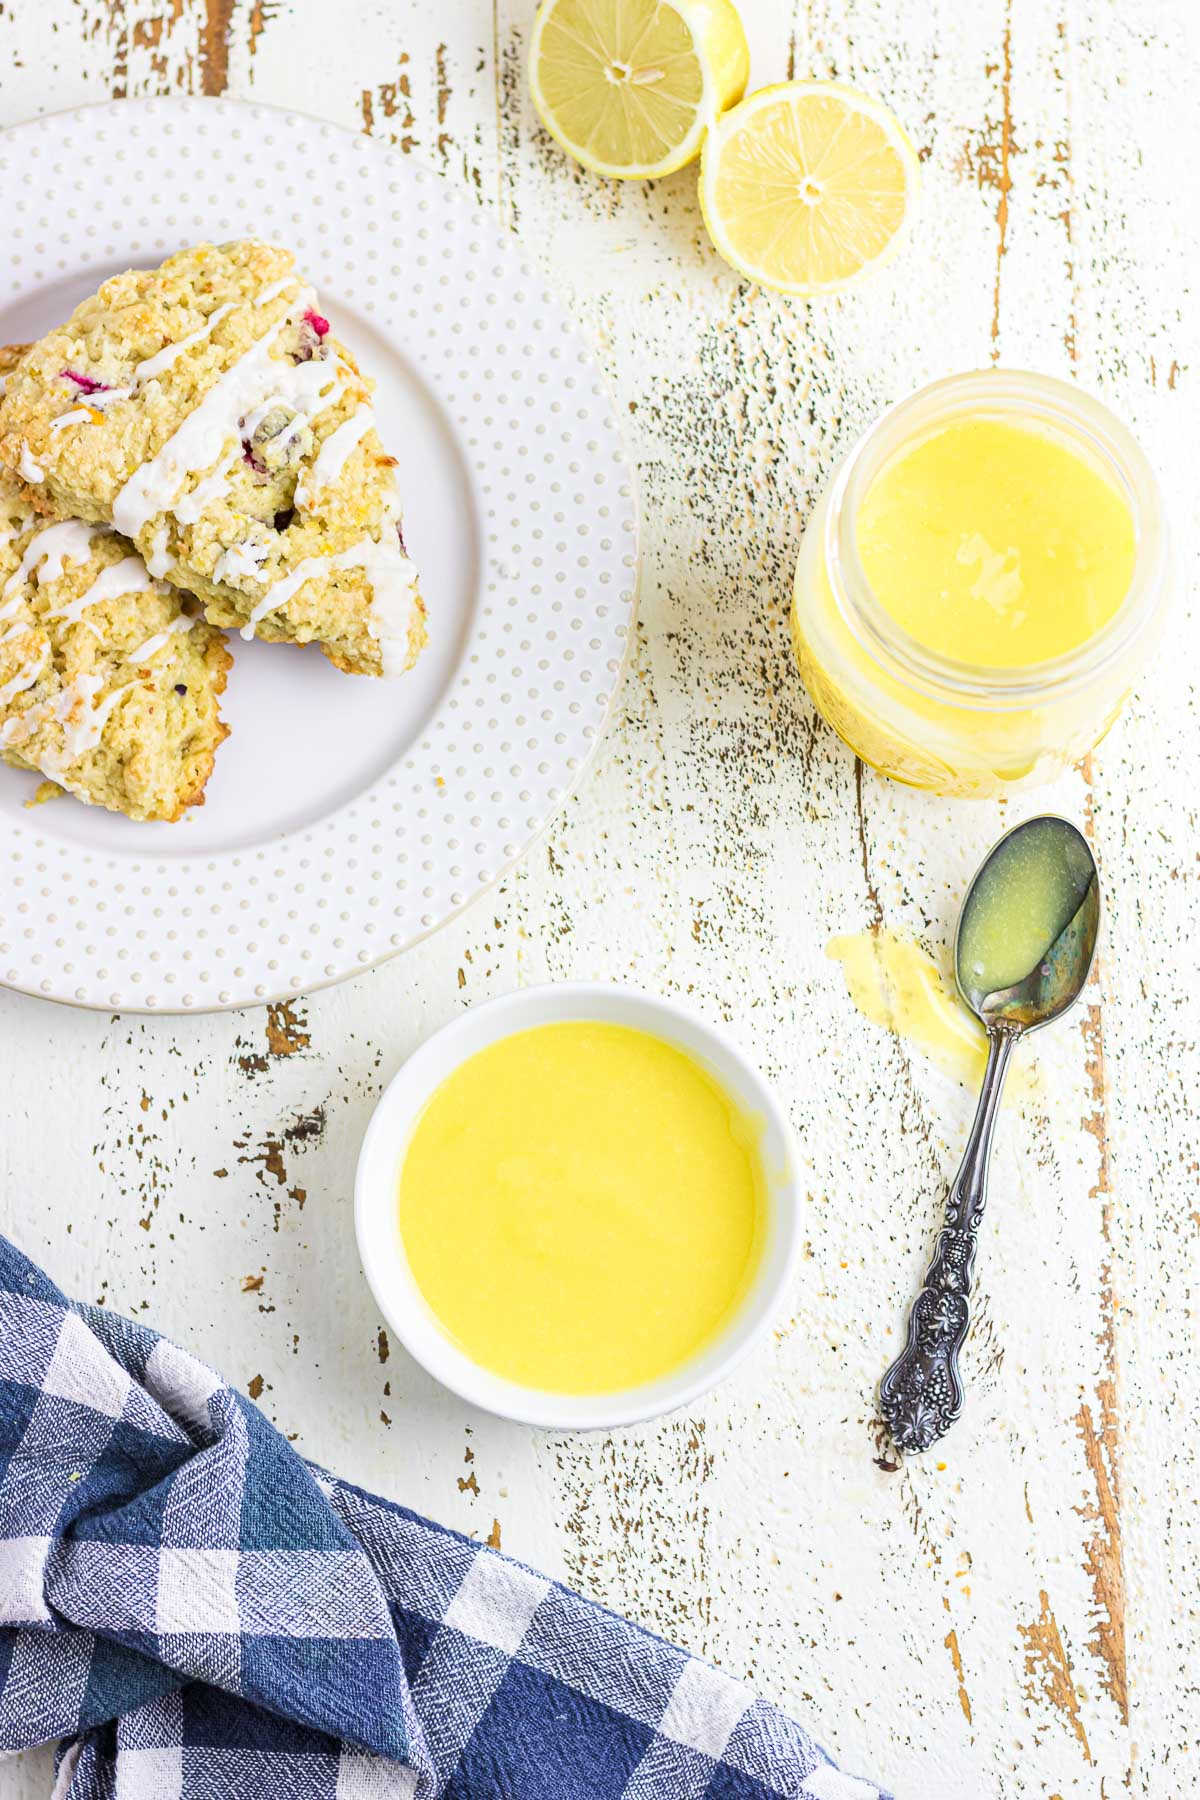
[1023, 900]
[958, 588]
[994, 545]
[895, 983]
[582, 1207]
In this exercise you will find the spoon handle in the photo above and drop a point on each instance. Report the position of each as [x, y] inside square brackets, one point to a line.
[921, 1395]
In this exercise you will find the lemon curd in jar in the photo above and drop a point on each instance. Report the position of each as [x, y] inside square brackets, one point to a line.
[978, 589]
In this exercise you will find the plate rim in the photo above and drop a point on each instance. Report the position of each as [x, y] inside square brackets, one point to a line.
[172, 1007]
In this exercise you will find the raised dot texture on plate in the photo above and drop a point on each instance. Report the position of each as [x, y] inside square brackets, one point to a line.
[376, 778]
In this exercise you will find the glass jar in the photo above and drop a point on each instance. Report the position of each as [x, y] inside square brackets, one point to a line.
[926, 719]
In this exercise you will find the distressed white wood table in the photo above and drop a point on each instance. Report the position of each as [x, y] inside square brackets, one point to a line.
[1014, 1615]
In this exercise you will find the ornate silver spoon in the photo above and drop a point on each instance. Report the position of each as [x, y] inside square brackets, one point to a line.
[1026, 938]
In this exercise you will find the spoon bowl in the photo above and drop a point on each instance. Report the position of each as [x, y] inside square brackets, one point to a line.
[1044, 871]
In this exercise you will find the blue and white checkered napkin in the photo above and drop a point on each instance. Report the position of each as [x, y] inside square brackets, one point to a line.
[204, 1616]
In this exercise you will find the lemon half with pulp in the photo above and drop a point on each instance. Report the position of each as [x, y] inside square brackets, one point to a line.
[629, 87]
[808, 185]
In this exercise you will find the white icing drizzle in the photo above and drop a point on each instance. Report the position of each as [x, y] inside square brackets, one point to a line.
[129, 576]
[83, 734]
[251, 423]
[25, 678]
[289, 431]
[154, 365]
[393, 579]
[79, 735]
[20, 628]
[74, 695]
[153, 645]
[281, 591]
[199, 441]
[149, 367]
[276, 288]
[21, 522]
[299, 386]
[193, 506]
[103, 398]
[331, 458]
[49, 551]
[30, 470]
[158, 561]
[20, 725]
[89, 734]
[241, 562]
[72, 614]
[76, 414]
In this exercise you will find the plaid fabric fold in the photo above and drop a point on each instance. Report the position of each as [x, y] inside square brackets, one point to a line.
[201, 1615]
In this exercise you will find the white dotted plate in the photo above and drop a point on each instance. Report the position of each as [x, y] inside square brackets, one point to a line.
[346, 817]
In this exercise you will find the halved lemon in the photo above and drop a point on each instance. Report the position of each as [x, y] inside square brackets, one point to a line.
[807, 186]
[629, 87]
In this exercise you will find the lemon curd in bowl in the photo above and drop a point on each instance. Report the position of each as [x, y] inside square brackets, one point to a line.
[582, 1207]
[577, 1205]
[981, 584]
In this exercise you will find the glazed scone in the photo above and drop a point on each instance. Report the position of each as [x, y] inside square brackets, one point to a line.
[206, 411]
[108, 684]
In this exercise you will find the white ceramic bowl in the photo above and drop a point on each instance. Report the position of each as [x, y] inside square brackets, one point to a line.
[382, 1249]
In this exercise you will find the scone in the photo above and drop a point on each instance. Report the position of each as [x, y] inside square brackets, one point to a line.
[207, 412]
[109, 685]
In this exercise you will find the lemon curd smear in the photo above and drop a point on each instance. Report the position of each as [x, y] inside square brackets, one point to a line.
[995, 545]
[582, 1207]
[893, 982]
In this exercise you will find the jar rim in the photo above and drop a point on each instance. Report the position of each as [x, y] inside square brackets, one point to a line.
[1022, 395]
